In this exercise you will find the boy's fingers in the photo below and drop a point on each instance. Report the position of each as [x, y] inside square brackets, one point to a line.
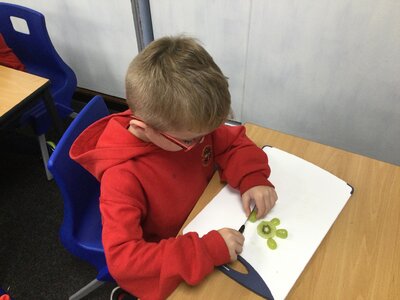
[269, 201]
[239, 249]
[234, 257]
[261, 209]
[246, 204]
[272, 198]
[237, 236]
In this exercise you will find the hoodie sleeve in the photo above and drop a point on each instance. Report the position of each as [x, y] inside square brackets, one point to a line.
[150, 270]
[241, 163]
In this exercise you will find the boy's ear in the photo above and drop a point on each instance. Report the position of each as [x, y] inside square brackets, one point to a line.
[137, 123]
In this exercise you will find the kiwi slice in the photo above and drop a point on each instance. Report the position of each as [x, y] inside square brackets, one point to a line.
[275, 221]
[272, 244]
[282, 233]
[253, 216]
[266, 229]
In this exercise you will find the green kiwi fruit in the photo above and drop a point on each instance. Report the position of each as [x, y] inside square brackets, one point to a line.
[275, 221]
[272, 244]
[282, 233]
[266, 229]
[253, 216]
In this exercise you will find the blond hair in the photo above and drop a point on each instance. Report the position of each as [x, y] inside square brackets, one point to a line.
[174, 84]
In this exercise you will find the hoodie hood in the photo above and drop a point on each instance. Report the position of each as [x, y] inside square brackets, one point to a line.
[107, 143]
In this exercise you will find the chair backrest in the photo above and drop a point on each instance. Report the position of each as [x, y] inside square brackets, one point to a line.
[35, 49]
[81, 229]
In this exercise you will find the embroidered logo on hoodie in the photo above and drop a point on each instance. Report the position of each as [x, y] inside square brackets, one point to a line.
[206, 155]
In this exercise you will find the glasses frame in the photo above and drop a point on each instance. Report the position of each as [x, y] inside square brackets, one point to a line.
[174, 140]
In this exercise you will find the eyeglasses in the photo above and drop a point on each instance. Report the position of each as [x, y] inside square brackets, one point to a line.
[186, 145]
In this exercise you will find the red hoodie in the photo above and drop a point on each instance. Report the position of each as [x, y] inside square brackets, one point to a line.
[147, 194]
[8, 57]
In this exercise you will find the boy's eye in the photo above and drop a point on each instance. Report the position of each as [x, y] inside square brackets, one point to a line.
[187, 141]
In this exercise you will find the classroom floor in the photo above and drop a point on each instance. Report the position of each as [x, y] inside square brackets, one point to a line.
[33, 263]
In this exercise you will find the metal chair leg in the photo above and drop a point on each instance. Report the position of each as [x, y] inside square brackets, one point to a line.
[87, 289]
[45, 154]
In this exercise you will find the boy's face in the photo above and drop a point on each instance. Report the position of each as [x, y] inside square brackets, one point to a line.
[177, 140]
[174, 140]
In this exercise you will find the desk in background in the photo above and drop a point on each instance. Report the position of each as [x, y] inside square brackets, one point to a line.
[359, 258]
[20, 91]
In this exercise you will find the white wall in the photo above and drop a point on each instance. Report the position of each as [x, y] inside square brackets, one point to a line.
[96, 38]
[327, 71]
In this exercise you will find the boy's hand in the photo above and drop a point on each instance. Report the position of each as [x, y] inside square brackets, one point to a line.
[234, 241]
[264, 198]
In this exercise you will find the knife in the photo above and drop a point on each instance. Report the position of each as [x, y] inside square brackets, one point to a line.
[241, 229]
[251, 280]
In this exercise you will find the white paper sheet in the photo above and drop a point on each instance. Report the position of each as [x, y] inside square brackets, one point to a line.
[310, 199]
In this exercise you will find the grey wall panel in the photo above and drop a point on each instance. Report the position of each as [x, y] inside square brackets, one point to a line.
[327, 71]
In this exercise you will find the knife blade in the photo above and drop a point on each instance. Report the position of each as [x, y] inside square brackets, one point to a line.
[241, 229]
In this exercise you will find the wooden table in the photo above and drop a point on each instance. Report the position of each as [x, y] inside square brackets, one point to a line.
[19, 91]
[359, 257]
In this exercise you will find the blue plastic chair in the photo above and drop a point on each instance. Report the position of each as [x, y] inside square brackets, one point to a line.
[36, 51]
[81, 228]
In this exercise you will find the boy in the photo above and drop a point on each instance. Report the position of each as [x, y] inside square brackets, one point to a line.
[154, 162]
